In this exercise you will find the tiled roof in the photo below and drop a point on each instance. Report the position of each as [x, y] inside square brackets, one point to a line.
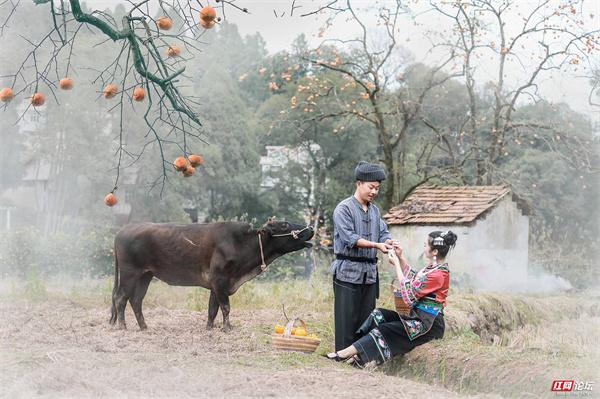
[449, 204]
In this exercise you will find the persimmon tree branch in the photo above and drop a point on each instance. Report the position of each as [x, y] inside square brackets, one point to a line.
[149, 59]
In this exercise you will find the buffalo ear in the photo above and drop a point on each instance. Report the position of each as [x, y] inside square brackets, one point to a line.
[271, 220]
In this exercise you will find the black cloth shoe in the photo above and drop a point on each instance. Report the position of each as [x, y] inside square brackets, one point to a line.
[335, 358]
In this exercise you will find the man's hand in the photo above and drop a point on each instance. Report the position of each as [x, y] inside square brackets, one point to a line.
[395, 245]
[384, 247]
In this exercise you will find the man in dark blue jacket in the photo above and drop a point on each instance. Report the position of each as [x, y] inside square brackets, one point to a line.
[358, 233]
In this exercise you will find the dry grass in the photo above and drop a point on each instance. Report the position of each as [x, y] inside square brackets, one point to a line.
[494, 317]
[60, 345]
[525, 369]
[512, 345]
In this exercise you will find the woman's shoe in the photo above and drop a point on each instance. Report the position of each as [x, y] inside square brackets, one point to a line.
[335, 357]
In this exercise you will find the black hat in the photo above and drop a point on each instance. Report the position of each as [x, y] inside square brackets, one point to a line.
[365, 171]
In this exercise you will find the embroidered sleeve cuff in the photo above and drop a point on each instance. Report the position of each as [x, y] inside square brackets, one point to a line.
[409, 272]
[406, 290]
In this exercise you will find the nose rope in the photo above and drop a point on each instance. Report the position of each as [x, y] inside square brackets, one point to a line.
[293, 233]
[263, 265]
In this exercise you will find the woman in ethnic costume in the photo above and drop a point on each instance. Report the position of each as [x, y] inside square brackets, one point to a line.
[385, 334]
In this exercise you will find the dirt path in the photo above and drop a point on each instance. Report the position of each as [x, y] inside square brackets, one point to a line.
[60, 348]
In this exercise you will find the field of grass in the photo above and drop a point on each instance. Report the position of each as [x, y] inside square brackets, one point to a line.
[511, 345]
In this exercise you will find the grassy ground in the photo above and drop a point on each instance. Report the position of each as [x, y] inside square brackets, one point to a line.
[514, 346]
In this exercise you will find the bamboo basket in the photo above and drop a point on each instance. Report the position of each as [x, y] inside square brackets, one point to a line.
[402, 308]
[289, 342]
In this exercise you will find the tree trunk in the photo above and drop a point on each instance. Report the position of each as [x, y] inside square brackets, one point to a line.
[401, 188]
[388, 156]
[481, 170]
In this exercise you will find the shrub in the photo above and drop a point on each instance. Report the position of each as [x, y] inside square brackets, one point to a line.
[27, 251]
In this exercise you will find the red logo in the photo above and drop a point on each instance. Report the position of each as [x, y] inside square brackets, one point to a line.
[562, 385]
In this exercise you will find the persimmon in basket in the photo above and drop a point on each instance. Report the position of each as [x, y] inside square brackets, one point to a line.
[301, 332]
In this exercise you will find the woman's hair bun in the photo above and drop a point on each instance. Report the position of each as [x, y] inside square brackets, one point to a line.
[449, 238]
[443, 241]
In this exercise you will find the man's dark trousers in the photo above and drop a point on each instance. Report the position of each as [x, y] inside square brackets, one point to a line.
[353, 303]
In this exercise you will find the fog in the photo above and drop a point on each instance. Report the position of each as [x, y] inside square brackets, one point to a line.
[263, 116]
[536, 281]
[60, 160]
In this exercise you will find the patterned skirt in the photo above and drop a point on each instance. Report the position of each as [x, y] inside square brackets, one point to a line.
[385, 334]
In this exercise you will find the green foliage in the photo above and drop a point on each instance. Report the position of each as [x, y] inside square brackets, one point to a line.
[241, 115]
[297, 265]
[35, 290]
[27, 253]
[230, 178]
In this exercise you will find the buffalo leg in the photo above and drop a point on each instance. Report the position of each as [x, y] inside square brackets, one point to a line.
[113, 310]
[223, 299]
[121, 296]
[213, 309]
[141, 287]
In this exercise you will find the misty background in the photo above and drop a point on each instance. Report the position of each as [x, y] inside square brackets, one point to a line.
[57, 162]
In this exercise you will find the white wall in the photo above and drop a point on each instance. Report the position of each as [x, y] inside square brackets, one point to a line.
[499, 246]
[493, 251]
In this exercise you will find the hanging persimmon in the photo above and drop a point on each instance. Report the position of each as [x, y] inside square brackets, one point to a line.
[139, 94]
[164, 23]
[110, 199]
[110, 91]
[6, 94]
[208, 14]
[173, 51]
[195, 160]
[180, 164]
[189, 171]
[65, 84]
[38, 99]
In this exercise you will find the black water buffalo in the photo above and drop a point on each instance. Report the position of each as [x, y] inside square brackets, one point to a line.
[217, 256]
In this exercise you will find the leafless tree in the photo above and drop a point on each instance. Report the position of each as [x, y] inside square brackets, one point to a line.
[594, 96]
[373, 67]
[520, 43]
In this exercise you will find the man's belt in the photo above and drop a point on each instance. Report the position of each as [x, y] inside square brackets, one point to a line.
[361, 259]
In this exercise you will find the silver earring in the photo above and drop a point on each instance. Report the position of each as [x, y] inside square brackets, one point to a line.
[434, 260]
